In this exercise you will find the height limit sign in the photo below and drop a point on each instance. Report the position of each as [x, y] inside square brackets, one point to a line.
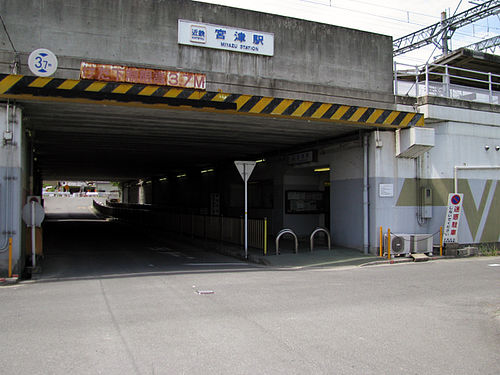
[450, 232]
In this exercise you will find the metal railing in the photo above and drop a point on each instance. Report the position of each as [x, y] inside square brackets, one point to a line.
[447, 82]
[216, 228]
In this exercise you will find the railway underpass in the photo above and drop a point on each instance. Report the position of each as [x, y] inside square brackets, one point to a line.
[321, 121]
[178, 156]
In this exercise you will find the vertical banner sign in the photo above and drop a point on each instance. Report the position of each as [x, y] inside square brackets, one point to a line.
[450, 231]
[245, 168]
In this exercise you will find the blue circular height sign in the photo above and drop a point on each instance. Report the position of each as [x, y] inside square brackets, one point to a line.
[42, 62]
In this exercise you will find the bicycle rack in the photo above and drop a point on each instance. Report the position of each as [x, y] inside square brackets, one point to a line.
[318, 230]
[285, 231]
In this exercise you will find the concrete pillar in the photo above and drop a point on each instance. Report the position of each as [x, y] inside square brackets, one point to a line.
[125, 192]
[142, 192]
[12, 182]
[156, 191]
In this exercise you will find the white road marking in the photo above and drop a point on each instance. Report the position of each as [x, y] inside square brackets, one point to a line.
[216, 264]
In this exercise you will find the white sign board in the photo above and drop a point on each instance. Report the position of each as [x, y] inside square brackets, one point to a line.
[42, 62]
[245, 168]
[450, 230]
[386, 190]
[226, 38]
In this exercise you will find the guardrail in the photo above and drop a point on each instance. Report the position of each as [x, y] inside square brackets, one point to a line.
[216, 228]
[446, 81]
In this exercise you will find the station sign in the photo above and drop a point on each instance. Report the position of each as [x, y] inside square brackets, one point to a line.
[302, 157]
[450, 230]
[225, 38]
[158, 77]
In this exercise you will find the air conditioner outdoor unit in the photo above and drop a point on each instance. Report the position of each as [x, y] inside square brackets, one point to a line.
[405, 244]
[400, 244]
[422, 243]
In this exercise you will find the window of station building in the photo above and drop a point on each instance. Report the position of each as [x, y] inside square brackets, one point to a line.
[305, 202]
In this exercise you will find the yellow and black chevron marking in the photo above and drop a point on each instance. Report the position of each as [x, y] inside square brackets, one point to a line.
[12, 86]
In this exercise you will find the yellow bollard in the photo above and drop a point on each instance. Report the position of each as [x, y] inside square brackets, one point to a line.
[389, 243]
[10, 256]
[441, 241]
[381, 242]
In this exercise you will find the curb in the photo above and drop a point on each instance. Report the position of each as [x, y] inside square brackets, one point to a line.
[387, 261]
[409, 260]
[9, 280]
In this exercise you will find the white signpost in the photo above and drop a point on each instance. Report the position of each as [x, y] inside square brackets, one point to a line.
[33, 215]
[245, 168]
[450, 232]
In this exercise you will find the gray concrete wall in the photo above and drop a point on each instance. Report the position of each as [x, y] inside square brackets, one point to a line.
[12, 191]
[311, 61]
[346, 194]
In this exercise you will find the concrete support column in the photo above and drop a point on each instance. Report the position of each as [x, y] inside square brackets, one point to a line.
[156, 191]
[125, 192]
[11, 189]
[142, 192]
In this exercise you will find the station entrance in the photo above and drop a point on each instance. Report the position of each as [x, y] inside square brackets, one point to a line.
[175, 148]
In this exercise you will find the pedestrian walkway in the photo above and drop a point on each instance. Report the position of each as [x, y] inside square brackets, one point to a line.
[320, 257]
[337, 256]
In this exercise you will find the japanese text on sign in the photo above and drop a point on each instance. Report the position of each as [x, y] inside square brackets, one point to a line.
[118, 73]
[225, 38]
[450, 230]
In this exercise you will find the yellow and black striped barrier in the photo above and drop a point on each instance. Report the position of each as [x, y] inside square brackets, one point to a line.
[29, 87]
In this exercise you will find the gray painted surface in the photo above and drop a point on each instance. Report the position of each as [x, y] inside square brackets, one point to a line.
[11, 193]
[311, 60]
[347, 213]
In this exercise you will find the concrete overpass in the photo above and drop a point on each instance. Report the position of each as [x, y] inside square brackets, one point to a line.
[85, 129]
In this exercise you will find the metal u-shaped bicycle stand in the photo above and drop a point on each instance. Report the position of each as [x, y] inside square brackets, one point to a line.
[281, 233]
[319, 230]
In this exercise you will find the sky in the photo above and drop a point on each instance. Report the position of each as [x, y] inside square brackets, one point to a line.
[396, 18]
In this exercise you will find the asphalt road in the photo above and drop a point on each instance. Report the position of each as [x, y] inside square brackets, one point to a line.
[151, 312]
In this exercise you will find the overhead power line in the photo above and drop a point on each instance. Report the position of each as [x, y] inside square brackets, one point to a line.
[444, 30]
